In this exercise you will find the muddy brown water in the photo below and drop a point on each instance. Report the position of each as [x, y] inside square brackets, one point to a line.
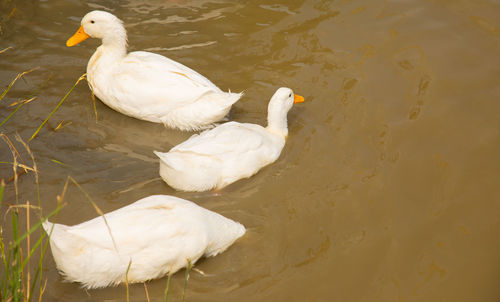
[388, 187]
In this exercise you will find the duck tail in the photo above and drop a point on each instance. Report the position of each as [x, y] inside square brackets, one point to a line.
[164, 158]
[234, 97]
[228, 232]
[47, 226]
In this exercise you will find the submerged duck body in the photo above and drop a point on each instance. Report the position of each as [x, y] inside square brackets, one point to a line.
[156, 235]
[229, 152]
[145, 85]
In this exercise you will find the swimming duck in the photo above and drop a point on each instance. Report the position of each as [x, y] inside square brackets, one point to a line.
[154, 235]
[145, 85]
[231, 151]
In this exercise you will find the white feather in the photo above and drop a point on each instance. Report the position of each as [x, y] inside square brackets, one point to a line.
[229, 152]
[149, 86]
[157, 235]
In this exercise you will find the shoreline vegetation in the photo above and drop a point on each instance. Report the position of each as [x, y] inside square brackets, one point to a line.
[23, 243]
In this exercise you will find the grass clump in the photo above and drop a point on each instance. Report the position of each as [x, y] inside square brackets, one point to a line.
[22, 259]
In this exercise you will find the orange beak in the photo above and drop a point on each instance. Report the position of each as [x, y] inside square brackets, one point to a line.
[78, 37]
[297, 99]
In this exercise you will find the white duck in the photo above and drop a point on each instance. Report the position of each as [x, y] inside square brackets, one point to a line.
[145, 85]
[156, 235]
[231, 151]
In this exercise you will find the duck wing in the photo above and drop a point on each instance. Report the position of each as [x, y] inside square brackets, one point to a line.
[154, 81]
[146, 224]
[228, 139]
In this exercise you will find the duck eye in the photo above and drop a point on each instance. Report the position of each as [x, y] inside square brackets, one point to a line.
[290, 95]
[92, 21]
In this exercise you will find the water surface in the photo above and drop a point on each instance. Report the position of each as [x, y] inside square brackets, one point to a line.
[387, 189]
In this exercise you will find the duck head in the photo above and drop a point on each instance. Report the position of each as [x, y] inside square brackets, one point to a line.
[101, 25]
[281, 102]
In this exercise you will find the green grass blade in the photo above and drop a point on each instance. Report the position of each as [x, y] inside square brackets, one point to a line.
[15, 110]
[126, 279]
[10, 115]
[165, 295]
[57, 107]
[35, 279]
[186, 277]
[15, 285]
[40, 265]
[2, 190]
[36, 226]
[25, 262]
[33, 250]
[59, 162]
[3, 279]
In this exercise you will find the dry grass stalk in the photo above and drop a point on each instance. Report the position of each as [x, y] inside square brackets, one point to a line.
[5, 49]
[147, 292]
[97, 209]
[20, 75]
